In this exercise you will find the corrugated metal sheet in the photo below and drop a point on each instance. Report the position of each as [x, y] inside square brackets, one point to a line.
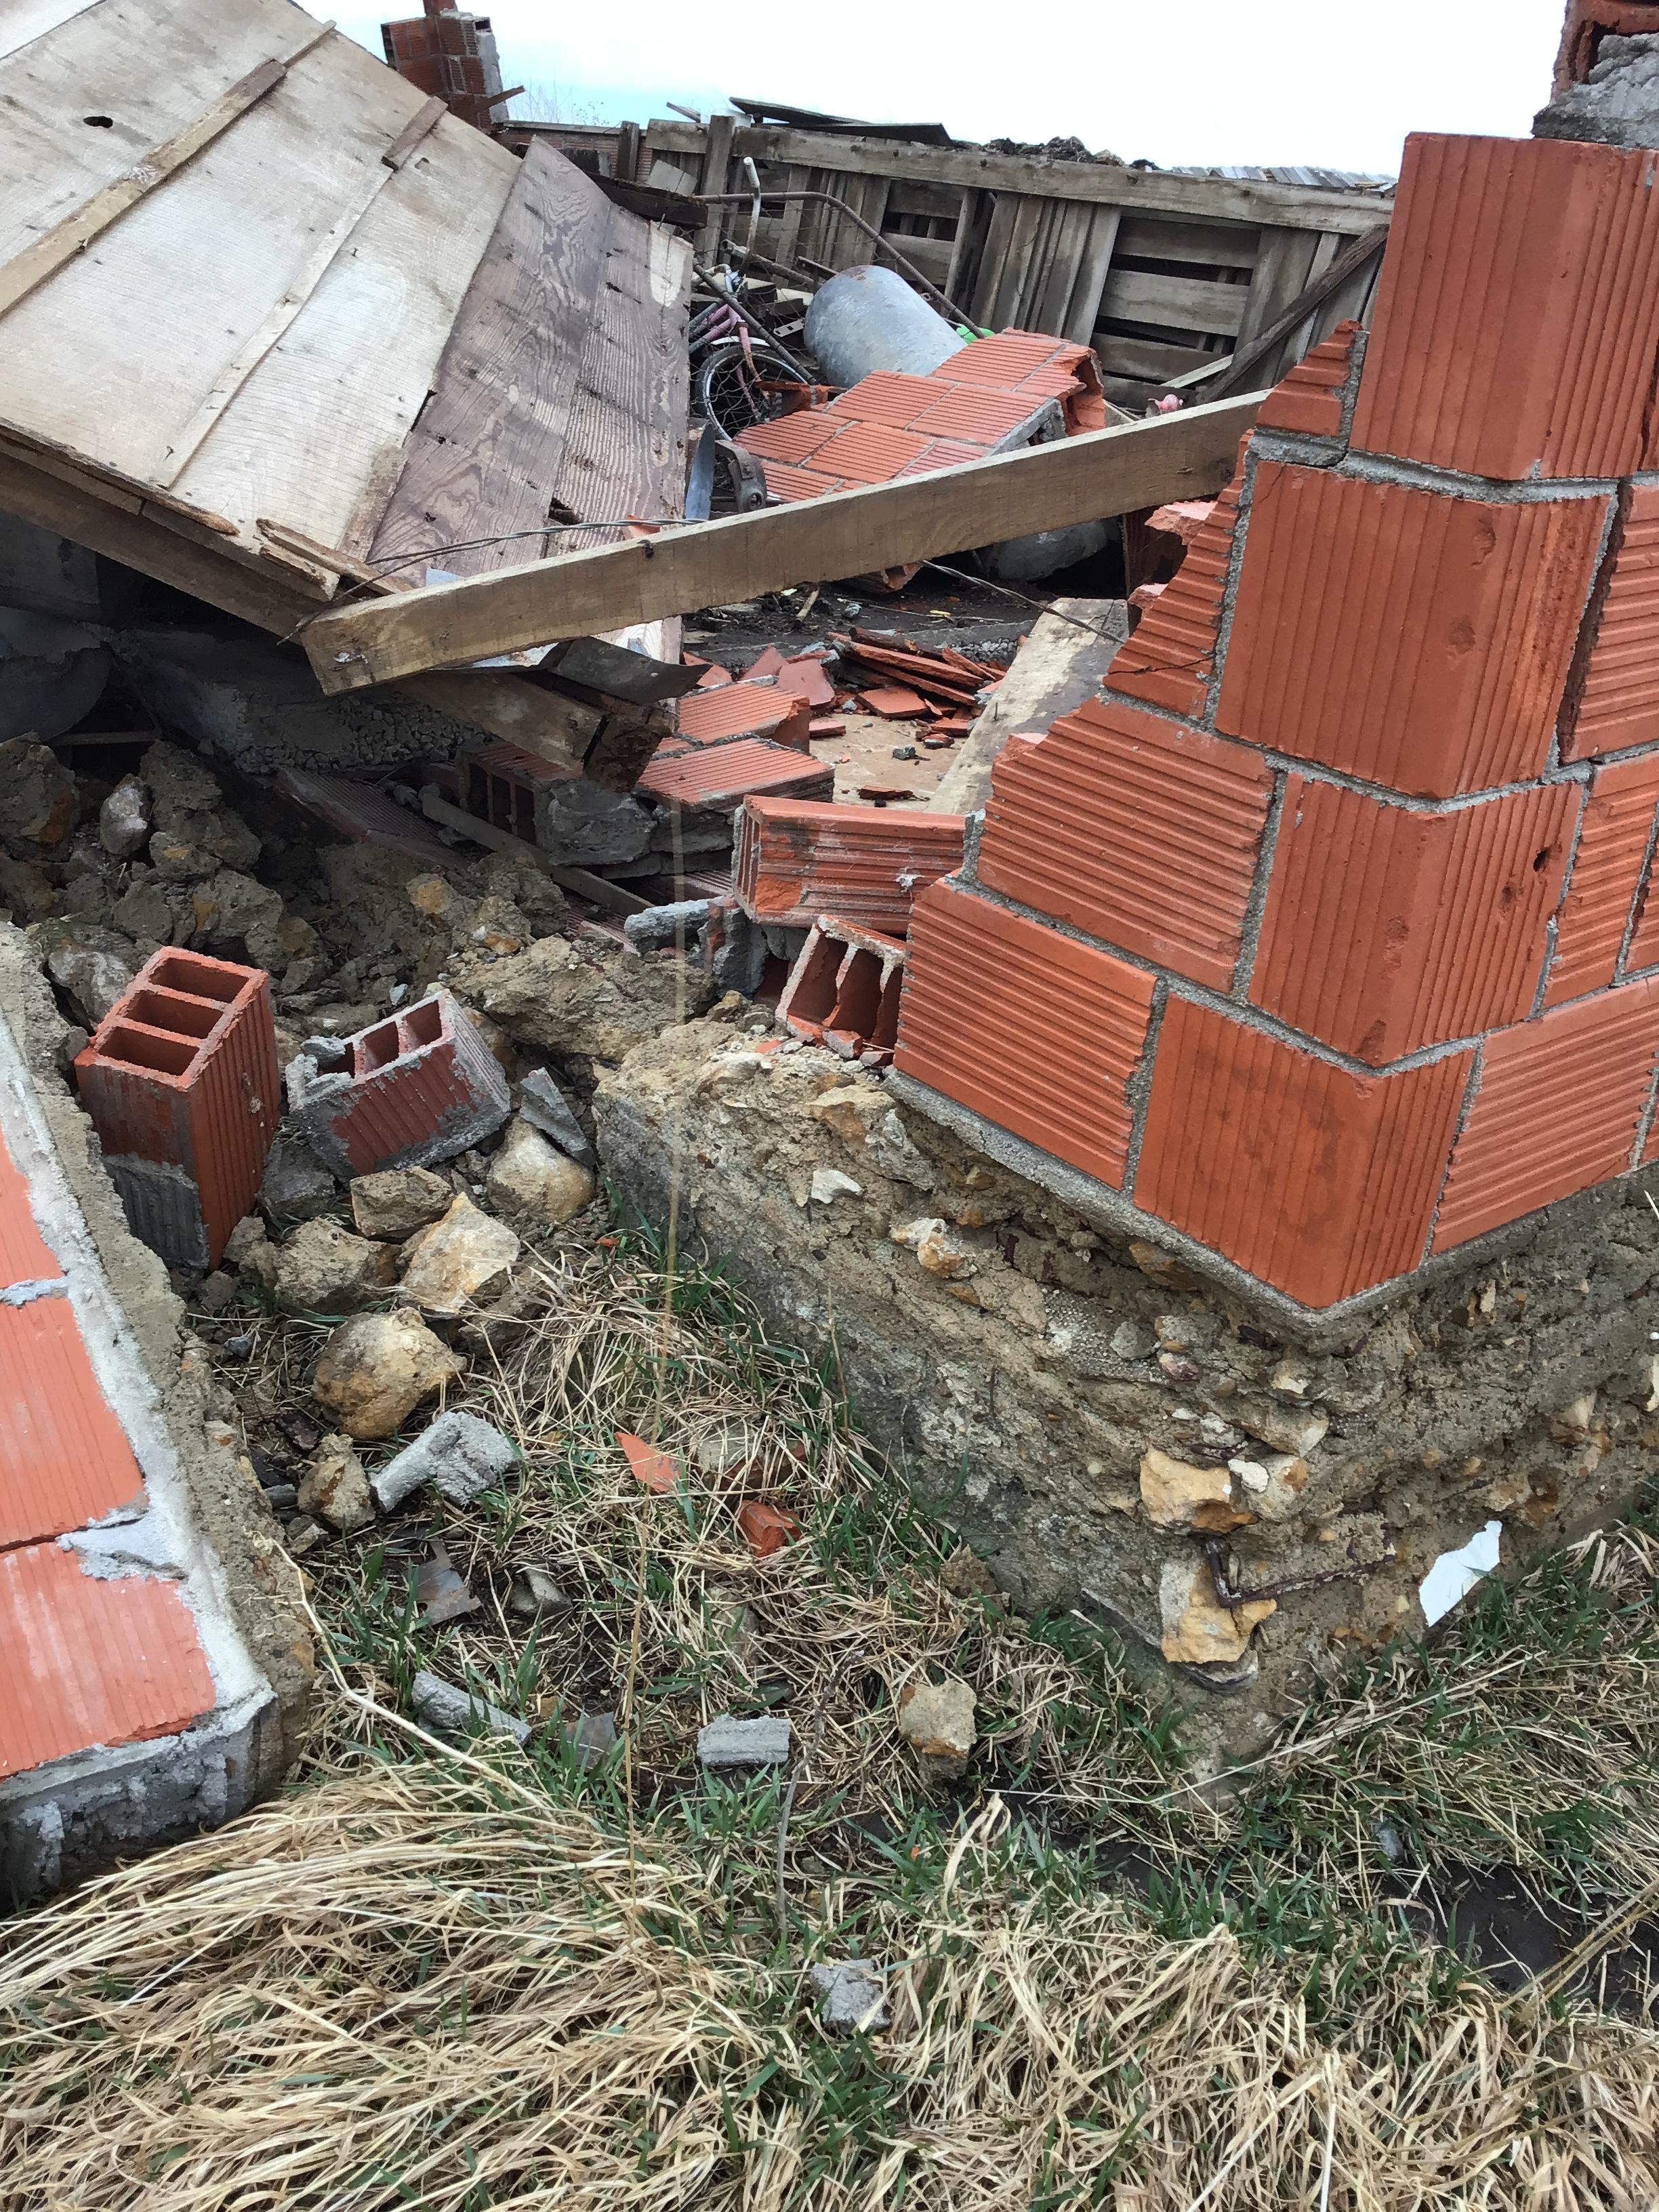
[1517, 313]
[64, 1459]
[1606, 872]
[1612, 699]
[104, 1660]
[865, 864]
[1041, 1034]
[1318, 1181]
[1557, 1111]
[1170, 657]
[1387, 930]
[1340, 576]
[1134, 830]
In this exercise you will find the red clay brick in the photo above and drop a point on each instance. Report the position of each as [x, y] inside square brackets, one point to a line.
[1415, 641]
[24, 1256]
[794, 437]
[1612, 693]
[1386, 930]
[1517, 314]
[747, 710]
[1644, 949]
[843, 990]
[423, 1087]
[1613, 844]
[1557, 1108]
[1170, 659]
[984, 418]
[1319, 1182]
[1038, 1033]
[719, 776]
[1133, 829]
[64, 1458]
[867, 864]
[90, 1659]
[866, 452]
[1310, 398]
[181, 1073]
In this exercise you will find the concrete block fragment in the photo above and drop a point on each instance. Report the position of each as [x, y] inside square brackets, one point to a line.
[450, 1711]
[855, 1996]
[544, 1106]
[727, 1744]
[459, 1455]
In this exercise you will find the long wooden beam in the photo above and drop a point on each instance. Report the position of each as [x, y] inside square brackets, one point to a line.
[705, 564]
[1101, 184]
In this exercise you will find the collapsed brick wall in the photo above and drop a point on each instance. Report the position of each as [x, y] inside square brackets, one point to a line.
[1325, 941]
[449, 57]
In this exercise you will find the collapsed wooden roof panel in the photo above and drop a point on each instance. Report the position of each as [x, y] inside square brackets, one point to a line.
[239, 256]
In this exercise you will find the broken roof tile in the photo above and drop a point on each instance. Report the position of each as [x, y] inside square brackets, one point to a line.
[719, 776]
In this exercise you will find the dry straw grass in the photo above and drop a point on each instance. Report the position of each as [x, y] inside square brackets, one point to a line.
[488, 1981]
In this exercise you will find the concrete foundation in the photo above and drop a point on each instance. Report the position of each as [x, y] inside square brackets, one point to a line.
[123, 1780]
[1112, 1431]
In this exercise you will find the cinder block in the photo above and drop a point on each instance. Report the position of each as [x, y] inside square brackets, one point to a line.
[1024, 1024]
[421, 1086]
[1387, 929]
[1317, 1180]
[1517, 313]
[1614, 842]
[1171, 658]
[843, 990]
[1612, 700]
[1414, 640]
[181, 1081]
[1133, 829]
[1559, 1102]
[1310, 398]
[796, 860]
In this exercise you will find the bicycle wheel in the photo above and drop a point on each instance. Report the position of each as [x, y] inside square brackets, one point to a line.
[730, 378]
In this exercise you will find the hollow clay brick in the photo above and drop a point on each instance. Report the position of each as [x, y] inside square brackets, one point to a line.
[797, 859]
[1614, 841]
[1414, 640]
[1171, 658]
[1387, 929]
[181, 1082]
[417, 1087]
[1517, 313]
[1612, 698]
[1643, 950]
[1310, 397]
[1557, 1109]
[1316, 1180]
[1133, 829]
[1039, 1033]
[24, 1256]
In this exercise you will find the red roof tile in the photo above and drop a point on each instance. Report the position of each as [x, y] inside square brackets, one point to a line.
[743, 710]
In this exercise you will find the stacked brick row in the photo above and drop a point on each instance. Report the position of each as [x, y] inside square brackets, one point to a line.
[451, 56]
[1329, 934]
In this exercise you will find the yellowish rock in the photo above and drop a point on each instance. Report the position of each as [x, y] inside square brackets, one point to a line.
[1177, 1495]
[1199, 1630]
[458, 1260]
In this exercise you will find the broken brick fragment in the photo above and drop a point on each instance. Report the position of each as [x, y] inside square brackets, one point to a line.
[796, 860]
[843, 990]
[1308, 396]
[420, 1086]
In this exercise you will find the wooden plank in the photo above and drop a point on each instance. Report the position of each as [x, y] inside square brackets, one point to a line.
[314, 437]
[716, 179]
[1070, 305]
[1102, 473]
[20, 275]
[27, 21]
[1152, 364]
[971, 224]
[498, 703]
[1206, 199]
[1215, 245]
[794, 181]
[1281, 275]
[624, 443]
[930, 255]
[1178, 303]
[415, 133]
[1358, 255]
[597, 889]
[486, 454]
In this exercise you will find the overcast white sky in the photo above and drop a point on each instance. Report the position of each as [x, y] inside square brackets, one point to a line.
[1178, 80]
